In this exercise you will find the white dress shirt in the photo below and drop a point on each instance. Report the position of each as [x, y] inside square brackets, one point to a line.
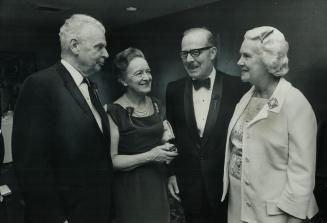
[82, 86]
[201, 102]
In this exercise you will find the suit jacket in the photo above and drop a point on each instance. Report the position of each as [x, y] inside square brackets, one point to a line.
[278, 158]
[199, 165]
[60, 154]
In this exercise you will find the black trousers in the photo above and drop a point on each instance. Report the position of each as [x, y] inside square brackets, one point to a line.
[207, 213]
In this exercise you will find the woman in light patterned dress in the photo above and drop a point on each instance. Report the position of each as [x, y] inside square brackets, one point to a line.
[271, 142]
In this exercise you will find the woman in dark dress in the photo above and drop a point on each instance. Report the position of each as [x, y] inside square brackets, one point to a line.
[138, 151]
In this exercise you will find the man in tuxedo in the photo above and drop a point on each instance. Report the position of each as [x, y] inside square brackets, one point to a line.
[199, 108]
[60, 133]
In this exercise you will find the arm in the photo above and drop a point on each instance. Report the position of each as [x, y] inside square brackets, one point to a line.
[302, 129]
[32, 142]
[129, 162]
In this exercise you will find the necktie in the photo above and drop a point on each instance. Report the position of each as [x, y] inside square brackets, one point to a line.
[201, 83]
[97, 105]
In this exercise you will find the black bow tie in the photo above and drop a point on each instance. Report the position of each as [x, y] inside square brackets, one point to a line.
[201, 83]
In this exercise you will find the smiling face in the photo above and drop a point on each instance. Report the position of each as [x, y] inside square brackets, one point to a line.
[201, 66]
[252, 66]
[92, 49]
[138, 77]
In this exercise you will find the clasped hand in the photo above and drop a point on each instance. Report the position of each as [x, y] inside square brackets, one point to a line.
[163, 153]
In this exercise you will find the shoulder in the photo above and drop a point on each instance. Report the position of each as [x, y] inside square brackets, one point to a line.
[117, 113]
[119, 101]
[234, 82]
[228, 77]
[295, 104]
[45, 76]
[157, 104]
[177, 83]
[42, 80]
[233, 87]
[294, 98]
[155, 100]
[115, 109]
[175, 88]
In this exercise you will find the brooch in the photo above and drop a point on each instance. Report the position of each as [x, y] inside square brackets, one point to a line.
[272, 103]
[156, 107]
[130, 110]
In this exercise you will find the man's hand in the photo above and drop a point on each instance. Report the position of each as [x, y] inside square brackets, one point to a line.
[173, 187]
[65, 221]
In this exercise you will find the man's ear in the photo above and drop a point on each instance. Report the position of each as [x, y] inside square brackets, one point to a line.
[74, 46]
[213, 53]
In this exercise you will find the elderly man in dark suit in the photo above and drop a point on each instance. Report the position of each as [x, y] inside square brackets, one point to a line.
[199, 108]
[60, 133]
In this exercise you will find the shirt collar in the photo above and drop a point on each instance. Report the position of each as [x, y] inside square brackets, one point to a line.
[77, 76]
[212, 77]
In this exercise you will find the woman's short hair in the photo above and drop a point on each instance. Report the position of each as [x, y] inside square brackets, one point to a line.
[72, 26]
[122, 60]
[272, 47]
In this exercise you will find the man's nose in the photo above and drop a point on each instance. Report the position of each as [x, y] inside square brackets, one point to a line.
[105, 53]
[240, 62]
[189, 58]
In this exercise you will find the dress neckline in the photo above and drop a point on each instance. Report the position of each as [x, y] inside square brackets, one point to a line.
[154, 105]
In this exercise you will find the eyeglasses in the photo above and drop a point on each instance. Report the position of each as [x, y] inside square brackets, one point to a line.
[141, 73]
[194, 53]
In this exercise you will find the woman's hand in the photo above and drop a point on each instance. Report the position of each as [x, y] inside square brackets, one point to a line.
[168, 133]
[163, 153]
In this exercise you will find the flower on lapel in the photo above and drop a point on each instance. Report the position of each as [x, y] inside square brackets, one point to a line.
[272, 103]
[94, 87]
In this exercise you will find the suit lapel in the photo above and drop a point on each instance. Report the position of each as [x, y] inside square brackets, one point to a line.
[240, 108]
[189, 110]
[72, 88]
[214, 107]
[78, 97]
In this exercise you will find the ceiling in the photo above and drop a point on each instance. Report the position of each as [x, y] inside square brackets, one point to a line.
[44, 14]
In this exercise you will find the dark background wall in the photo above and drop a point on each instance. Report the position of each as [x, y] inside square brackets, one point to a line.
[303, 23]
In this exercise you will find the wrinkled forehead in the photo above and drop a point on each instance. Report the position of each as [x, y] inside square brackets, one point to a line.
[194, 40]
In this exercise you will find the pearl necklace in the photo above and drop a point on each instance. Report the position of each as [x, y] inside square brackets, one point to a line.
[140, 111]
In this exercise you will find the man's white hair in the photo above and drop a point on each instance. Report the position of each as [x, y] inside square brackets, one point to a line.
[72, 27]
[273, 48]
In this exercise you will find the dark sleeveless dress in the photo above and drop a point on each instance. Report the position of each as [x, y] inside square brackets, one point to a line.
[140, 195]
